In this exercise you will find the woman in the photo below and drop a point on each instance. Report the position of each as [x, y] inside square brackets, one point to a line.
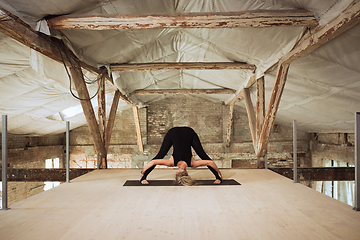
[182, 139]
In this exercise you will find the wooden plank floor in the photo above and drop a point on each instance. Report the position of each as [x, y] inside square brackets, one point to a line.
[97, 206]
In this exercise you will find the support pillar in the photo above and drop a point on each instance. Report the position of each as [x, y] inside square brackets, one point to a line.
[4, 201]
[102, 118]
[295, 151]
[78, 79]
[97, 161]
[251, 116]
[357, 162]
[229, 130]
[137, 126]
[67, 151]
[266, 161]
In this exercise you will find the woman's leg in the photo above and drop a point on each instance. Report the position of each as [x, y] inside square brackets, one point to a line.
[211, 165]
[152, 164]
[196, 144]
[165, 146]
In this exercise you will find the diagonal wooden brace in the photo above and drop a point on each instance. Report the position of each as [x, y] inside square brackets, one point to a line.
[78, 79]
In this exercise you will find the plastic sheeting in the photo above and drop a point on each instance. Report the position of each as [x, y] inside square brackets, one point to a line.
[321, 92]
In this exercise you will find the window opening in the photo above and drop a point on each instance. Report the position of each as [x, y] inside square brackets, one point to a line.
[343, 191]
[51, 163]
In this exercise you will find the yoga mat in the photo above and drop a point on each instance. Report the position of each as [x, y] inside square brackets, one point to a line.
[172, 183]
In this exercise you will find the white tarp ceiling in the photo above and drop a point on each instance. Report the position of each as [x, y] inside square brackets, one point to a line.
[321, 90]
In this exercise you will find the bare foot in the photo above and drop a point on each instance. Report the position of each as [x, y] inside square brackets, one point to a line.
[217, 181]
[144, 182]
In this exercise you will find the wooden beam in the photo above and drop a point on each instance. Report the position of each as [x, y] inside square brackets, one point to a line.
[15, 28]
[319, 173]
[78, 79]
[317, 37]
[111, 120]
[272, 109]
[51, 47]
[260, 115]
[244, 19]
[181, 91]
[251, 115]
[137, 126]
[229, 131]
[102, 118]
[260, 106]
[240, 94]
[134, 67]
[321, 35]
[42, 175]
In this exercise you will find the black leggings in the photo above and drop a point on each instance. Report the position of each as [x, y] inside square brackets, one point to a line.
[182, 138]
[146, 173]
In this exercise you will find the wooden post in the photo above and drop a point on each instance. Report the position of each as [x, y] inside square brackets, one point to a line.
[230, 126]
[260, 106]
[260, 115]
[102, 118]
[137, 126]
[111, 120]
[251, 115]
[272, 109]
[78, 79]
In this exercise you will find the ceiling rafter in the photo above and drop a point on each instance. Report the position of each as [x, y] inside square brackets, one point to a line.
[242, 19]
[182, 91]
[347, 19]
[322, 34]
[314, 39]
[176, 66]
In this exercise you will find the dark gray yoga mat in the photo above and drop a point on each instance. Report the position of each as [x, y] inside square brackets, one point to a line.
[172, 183]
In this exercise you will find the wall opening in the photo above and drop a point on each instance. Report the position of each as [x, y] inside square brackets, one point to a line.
[51, 163]
[343, 191]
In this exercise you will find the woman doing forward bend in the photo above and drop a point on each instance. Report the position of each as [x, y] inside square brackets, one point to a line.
[182, 139]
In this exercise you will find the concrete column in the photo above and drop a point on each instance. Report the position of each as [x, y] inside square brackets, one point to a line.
[295, 151]
[4, 200]
[357, 162]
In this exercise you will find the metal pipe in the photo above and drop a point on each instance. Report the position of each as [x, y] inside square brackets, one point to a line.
[4, 200]
[97, 161]
[67, 151]
[266, 160]
[295, 151]
[357, 162]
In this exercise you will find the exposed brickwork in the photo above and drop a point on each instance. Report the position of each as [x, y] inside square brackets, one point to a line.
[23, 141]
[34, 157]
[18, 191]
[205, 117]
[209, 119]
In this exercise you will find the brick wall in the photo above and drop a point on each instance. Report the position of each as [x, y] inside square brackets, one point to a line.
[209, 119]
[332, 146]
[205, 117]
